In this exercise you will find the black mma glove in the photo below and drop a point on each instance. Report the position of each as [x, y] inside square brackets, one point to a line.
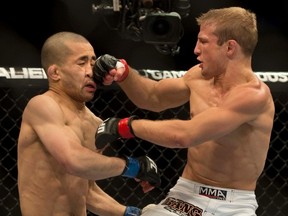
[143, 168]
[113, 128]
[104, 64]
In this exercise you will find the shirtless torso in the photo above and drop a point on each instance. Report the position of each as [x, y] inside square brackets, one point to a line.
[236, 159]
[46, 185]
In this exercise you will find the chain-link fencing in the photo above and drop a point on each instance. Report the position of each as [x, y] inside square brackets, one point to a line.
[272, 188]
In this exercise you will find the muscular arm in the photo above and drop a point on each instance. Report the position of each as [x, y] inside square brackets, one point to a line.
[143, 92]
[211, 124]
[155, 95]
[46, 118]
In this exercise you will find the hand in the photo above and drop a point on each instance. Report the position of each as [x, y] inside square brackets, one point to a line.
[113, 128]
[143, 169]
[107, 69]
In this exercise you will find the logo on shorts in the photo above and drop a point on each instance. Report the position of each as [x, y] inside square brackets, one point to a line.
[181, 208]
[213, 193]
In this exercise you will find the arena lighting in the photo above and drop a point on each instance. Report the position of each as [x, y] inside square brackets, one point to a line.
[156, 22]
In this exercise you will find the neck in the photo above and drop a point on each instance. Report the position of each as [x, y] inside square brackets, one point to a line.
[66, 99]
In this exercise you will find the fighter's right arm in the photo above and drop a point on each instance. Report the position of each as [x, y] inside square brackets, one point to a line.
[46, 118]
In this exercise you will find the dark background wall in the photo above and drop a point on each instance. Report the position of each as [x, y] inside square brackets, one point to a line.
[24, 25]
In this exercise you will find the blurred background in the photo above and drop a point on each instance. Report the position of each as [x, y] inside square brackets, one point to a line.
[149, 35]
[24, 25]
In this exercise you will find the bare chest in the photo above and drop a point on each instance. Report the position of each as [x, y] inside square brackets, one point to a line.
[203, 99]
[83, 125]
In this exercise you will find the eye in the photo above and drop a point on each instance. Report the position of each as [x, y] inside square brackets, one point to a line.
[81, 63]
[202, 41]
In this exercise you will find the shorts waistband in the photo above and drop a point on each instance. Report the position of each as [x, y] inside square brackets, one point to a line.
[219, 193]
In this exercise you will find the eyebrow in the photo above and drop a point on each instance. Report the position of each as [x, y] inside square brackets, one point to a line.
[85, 58]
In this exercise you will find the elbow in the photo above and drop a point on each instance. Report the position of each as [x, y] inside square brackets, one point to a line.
[181, 140]
[71, 167]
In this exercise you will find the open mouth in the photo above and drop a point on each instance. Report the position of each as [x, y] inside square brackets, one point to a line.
[91, 86]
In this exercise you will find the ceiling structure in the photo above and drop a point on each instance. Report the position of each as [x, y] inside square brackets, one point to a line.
[24, 25]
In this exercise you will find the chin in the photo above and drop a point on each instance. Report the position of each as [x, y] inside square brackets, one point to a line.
[88, 98]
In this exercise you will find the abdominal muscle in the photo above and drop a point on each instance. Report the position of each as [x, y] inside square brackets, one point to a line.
[221, 165]
[51, 198]
[47, 189]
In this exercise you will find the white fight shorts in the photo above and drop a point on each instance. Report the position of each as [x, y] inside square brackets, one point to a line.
[188, 198]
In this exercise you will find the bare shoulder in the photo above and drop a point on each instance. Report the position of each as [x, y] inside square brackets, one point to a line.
[254, 96]
[41, 102]
[258, 91]
[38, 99]
[193, 73]
[41, 107]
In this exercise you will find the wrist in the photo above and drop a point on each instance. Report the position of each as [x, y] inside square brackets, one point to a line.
[126, 72]
[132, 168]
[125, 129]
[132, 211]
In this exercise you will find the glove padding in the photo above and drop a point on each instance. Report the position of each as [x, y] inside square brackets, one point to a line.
[132, 211]
[142, 168]
[113, 128]
[104, 64]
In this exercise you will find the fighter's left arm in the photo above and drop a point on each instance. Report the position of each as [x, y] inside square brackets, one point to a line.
[101, 203]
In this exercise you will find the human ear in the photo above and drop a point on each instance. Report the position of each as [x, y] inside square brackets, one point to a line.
[231, 47]
[53, 72]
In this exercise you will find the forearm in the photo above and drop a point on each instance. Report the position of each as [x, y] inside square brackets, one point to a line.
[100, 203]
[140, 90]
[211, 124]
[90, 165]
[154, 95]
[167, 133]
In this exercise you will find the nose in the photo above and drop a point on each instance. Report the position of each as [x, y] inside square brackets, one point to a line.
[89, 71]
[196, 49]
